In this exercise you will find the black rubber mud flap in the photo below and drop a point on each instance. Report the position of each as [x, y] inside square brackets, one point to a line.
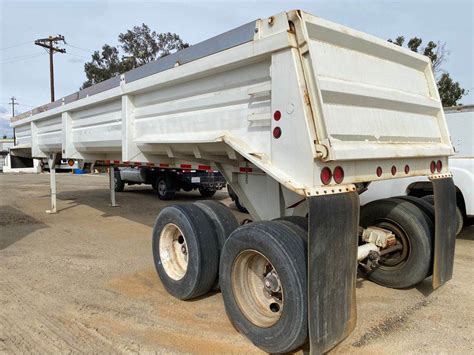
[332, 268]
[445, 230]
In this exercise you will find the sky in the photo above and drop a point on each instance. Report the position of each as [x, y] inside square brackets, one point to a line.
[87, 25]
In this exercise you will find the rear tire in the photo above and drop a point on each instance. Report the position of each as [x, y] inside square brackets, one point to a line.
[239, 206]
[165, 188]
[410, 265]
[207, 193]
[119, 185]
[185, 251]
[264, 286]
[459, 214]
[300, 221]
[223, 222]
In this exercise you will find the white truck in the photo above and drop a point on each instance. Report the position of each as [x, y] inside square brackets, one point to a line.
[460, 122]
[299, 114]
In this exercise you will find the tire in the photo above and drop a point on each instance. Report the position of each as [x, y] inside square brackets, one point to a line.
[425, 206]
[459, 214]
[207, 193]
[165, 188]
[190, 273]
[239, 206]
[119, 185]
[411, 265]
[300, 221]
[279, 247]
[223, 222]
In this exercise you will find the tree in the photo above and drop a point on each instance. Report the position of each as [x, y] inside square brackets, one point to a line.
[139, 46]
[450, 91]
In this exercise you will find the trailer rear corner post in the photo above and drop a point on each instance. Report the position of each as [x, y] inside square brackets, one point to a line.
[52, 179]
[112, 186]
[332, 268]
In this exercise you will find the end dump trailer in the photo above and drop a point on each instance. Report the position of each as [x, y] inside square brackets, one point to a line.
[299, 114]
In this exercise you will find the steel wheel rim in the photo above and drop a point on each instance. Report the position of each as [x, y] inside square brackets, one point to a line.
[173, 251]
[162, 187]
[257, 288]
[387, 262]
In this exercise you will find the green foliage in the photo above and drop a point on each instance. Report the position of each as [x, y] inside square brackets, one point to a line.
[450, 91]
[140, 45]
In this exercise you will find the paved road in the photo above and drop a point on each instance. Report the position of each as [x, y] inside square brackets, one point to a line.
[83, 281]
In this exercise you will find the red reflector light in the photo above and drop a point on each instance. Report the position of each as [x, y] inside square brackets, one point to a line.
[70, 162]
[338, 174]
[407, 169]
[432, 167]
[394, 170]
[326, 175]
[277, 132]
[439, 166]
[277, 115]
[379, 171]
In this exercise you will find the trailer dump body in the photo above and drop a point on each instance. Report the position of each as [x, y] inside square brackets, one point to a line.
[298, 114]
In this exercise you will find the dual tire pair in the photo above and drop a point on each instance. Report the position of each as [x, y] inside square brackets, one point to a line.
[262, 272]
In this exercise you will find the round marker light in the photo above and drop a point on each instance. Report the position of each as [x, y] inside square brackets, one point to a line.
[439, 166]
[338, 174]
[394, 170]
[277, 115]
[326, 175]
[432, 167]
[277, 132]
[407, 169]
[379, 171]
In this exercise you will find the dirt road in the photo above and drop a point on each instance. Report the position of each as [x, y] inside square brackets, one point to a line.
[83, 281]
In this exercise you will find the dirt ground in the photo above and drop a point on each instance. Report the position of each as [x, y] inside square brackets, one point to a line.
[83, 280]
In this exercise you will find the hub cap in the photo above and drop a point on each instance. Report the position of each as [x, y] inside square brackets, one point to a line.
[257, 288]
[173, 251]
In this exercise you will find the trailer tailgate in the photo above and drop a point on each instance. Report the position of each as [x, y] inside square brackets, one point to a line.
[370, 99]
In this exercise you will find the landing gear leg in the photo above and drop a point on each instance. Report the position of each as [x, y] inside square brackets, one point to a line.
[112, 186]
[332, 268]
[52, 180]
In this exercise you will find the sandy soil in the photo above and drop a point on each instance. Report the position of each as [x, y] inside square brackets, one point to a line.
[83, 281]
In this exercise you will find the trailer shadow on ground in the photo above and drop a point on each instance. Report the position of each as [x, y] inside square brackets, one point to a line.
[16, 225]
[137, 204]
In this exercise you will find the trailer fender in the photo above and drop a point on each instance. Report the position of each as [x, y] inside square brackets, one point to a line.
[332, 268]
[445, 231]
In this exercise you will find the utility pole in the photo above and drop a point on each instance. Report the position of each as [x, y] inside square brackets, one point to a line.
[13, 103]
[50, 44]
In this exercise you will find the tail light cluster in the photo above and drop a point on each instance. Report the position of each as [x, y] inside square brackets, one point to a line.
[436, 166]
[327, 175]
[277, 130]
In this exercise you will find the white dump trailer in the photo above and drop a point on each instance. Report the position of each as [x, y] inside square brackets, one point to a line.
[299, 114]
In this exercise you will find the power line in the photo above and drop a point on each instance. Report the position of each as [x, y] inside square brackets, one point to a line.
[20, 56]
[15, 45]
[82, 49]
[20, 59]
